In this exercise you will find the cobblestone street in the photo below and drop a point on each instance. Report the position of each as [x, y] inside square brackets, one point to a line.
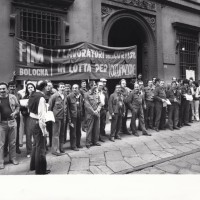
[189, 164]
[167, 151]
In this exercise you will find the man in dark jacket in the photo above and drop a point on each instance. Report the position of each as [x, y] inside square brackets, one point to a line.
[135, 103]
[58, 104]
[92, 109]
[75, 103]
[174, 97]
[160, 105]
[116, 109]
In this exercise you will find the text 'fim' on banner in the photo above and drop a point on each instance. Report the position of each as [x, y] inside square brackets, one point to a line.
[74, 62]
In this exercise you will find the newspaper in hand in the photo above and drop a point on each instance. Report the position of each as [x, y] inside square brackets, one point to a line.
[49, 116]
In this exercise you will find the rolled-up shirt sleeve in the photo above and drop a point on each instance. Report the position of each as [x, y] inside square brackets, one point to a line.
[42, 110]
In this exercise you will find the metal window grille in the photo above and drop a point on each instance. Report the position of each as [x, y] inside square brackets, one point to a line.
[188, 53]
[40, 27]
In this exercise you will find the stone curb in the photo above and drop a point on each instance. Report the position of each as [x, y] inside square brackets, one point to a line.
[151, 164]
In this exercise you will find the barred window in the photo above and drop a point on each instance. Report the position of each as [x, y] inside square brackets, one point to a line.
[40, 27]
[188, 52]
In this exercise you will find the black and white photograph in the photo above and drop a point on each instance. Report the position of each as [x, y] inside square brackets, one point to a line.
[100, 89]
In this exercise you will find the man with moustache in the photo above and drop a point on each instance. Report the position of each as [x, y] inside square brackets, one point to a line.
[9, 109]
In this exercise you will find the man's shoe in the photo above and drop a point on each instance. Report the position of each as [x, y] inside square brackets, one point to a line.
[62, 151]
[171, 129]
[177, 128]
[18, 151]
[156, 129]
[150, 127]
[97, 144]
[118, 138]
[101, 140]
[75, 149]
[21, 145]
[2, 166]
[57, 153]
[136, 134]
[14, 161]
[48, 171]
[127, 133]
[79, 146]
[112, 139]
[88, 146]
[147, 134]
[186, 124]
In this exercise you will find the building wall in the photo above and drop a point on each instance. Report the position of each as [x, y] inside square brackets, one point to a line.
[7, 58]
[80, 20]
[169, 16]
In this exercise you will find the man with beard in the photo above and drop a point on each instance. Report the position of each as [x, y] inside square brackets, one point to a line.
[75, 103]
[58, 104]
[9, 109]
[135, 103]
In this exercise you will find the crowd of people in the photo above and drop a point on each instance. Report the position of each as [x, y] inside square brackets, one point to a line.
[77, 108]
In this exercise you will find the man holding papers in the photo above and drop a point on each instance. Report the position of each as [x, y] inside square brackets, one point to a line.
[160, 105]
[174, 97]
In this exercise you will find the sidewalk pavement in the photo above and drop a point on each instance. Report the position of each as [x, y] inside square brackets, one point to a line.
[120, 157]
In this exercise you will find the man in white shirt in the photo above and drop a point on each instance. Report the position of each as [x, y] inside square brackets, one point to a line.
[37, 107]
[103, 111]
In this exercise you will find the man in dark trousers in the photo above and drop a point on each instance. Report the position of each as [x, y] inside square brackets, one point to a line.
[125, 91]
[185, 103]
[50, 91]
[104, 108]
[9, 109]
[75, 103]
[174, 97]
[38, 109]
[160, 105]
[92, 109]
[149, 100]
[84, 90]
[135, 103]
[58, 104]
[117, 111]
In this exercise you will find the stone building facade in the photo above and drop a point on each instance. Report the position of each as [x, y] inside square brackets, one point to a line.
[166, 32]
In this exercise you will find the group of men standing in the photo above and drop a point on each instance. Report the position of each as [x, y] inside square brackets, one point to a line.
[76, 109]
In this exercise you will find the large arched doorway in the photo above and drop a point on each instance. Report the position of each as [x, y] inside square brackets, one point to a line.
[128, 29]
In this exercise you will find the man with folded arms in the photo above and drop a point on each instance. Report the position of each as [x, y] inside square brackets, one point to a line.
[9, 108]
